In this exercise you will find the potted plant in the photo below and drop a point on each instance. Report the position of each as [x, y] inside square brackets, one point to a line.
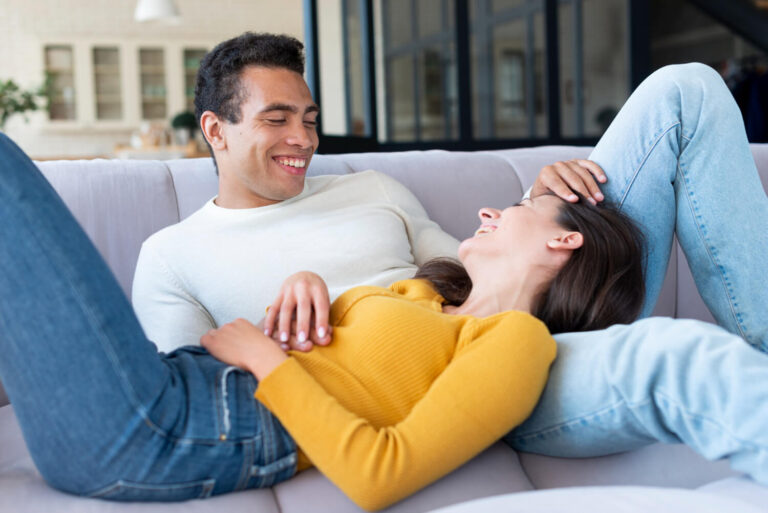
[183, 124]
[15, 100]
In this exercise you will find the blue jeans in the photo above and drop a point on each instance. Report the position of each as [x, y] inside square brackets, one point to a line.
[678, 161]
[102, 412]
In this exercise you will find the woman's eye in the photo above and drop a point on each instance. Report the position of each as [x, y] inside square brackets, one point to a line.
[281, 120]
[310, 122]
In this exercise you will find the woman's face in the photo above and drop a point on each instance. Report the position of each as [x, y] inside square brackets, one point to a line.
[520, 233]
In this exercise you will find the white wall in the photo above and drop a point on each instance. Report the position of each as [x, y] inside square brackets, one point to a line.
[29, 24]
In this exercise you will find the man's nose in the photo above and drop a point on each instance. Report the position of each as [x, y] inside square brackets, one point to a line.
[301, 135]
[488, 214]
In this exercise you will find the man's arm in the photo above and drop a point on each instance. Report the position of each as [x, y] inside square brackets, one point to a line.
[170, 316]
[427, 239]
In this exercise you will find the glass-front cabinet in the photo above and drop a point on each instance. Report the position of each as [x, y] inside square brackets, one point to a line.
[152, 79]
[107, 84]
[192, 58]
[60, 70]
[118, 85]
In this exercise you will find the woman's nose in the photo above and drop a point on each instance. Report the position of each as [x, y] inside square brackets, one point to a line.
[487, 214]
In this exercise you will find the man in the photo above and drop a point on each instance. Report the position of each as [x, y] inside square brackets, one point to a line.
[268, 221]
[670, 149]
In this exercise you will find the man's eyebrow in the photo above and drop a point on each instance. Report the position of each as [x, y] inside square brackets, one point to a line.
[289, 108]
[279, 106]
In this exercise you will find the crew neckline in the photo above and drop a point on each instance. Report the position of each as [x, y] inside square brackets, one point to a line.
[213, 207]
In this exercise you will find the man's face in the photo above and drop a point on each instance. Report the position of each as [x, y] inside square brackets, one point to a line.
[265, 156]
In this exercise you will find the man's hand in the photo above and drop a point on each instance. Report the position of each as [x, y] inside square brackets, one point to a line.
[299, 315]
[243, 345]
[566, 177]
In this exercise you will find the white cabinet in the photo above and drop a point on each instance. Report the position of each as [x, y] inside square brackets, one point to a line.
[103, 85]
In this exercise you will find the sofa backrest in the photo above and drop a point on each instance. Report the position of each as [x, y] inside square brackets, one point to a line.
[121, 202]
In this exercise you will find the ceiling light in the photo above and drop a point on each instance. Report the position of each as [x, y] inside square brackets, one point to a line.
[157, 10]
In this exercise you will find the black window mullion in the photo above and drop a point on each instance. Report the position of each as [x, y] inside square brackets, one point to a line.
[416, 79]
[578, 65]
[553, 71]
[369, 70]
[463, 70]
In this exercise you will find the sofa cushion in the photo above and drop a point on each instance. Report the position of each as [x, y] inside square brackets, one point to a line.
[439, 180]
[603, 499]
[119, 203]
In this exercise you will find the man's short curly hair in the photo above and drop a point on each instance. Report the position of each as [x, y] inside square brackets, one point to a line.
[218, 86]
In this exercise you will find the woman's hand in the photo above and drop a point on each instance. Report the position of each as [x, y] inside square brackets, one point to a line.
[299, 315]
[566, 177]
[243, 345]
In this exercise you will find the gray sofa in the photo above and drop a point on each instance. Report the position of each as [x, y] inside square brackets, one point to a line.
[120, 203]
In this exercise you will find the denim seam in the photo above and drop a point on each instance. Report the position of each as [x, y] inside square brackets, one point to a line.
[709, 420]
[713, 258]
[636, 172]
[570, 422]
[225, 413]
[246, 465]
[128, 389]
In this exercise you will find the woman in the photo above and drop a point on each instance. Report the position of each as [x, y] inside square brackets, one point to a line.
[122, 422]
[403, 395]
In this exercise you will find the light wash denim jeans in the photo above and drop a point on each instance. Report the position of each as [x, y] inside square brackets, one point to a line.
[678, 161]
[104, 414]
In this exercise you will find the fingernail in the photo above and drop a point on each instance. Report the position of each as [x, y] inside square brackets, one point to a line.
[599, 196]
[603, 178]
[592, 200]
[284, 337]
[266, 331]
[302, 336]
[305, 345]
[572, 197]
[321, 332]
[284, 347]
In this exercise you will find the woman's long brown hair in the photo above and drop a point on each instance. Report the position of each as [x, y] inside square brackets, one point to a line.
[601, 283]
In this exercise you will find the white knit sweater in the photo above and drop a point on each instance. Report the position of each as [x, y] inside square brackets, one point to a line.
[220, 264]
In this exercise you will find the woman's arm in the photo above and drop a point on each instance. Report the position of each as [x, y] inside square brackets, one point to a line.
[492, 385]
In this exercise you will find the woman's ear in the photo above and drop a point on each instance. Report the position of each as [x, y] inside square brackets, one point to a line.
[568, 240]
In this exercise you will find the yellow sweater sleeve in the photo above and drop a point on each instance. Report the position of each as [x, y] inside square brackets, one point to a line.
[491, 385]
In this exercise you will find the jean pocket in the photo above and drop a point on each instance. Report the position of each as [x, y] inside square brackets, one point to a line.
[130, 491]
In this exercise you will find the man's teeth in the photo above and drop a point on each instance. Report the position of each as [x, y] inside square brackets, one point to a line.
[293, 162]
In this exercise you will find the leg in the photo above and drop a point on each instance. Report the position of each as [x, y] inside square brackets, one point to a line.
[669, 152]
[659, 379]
[677, 158]
[102, 412]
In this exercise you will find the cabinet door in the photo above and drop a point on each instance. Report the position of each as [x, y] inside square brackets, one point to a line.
[192, 58]
[107, 83]
[60, 70]
[153, 92]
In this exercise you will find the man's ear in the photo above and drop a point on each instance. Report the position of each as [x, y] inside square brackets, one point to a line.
[212, 128]
[567, 240]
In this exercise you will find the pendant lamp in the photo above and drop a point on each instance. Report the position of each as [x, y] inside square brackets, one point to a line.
[164, 11]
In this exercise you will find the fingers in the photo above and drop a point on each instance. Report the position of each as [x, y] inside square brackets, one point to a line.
[593, 168]
[303, 318]
[285, 318]
[271, 317]
[568, 177]
[322, 307]
[580, 180]
[299, 315]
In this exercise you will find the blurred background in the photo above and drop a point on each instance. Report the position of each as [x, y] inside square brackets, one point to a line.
[98, 78]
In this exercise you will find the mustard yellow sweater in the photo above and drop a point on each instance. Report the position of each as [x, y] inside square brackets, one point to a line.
[405, 393]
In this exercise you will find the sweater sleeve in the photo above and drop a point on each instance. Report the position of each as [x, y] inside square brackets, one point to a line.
[492, 385]
[427, 239]
[170, 316]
